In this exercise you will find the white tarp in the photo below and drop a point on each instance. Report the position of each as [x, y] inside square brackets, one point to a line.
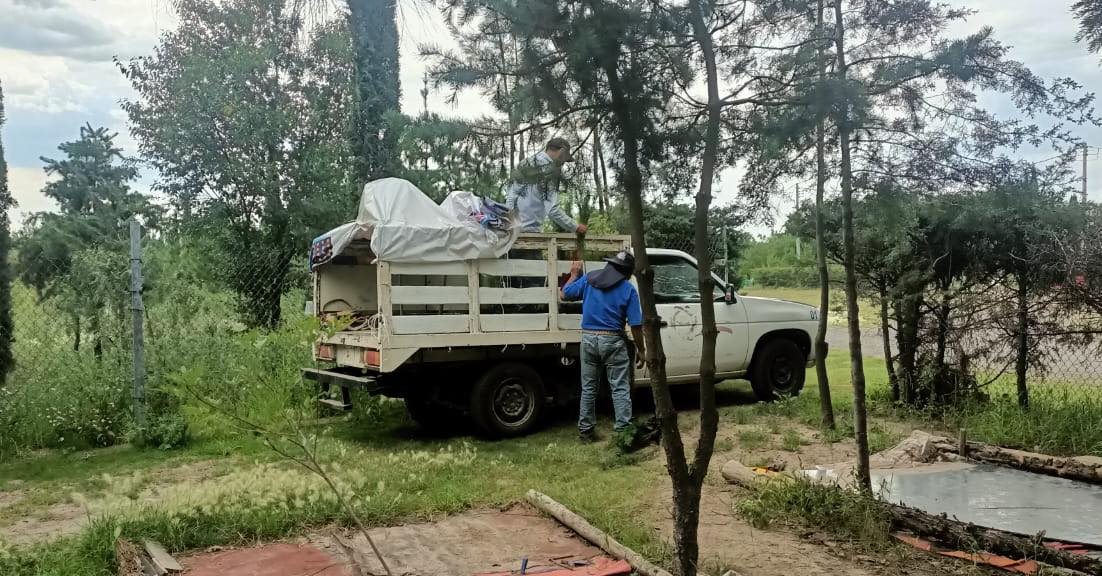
[404, 225]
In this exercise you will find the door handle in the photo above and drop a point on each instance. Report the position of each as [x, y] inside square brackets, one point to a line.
[663, 324]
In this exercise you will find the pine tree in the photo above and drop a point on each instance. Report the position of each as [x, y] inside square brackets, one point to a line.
[7, 327]
[374, 29]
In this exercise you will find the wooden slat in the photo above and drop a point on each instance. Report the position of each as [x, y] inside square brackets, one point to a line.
[511, 267]
[473, 308]
[434, 324]
[570, 321]
[552, 266]
[429, 268]
[385, 304]
[514, 322]
[429, 294]
[164, 562]
[564, 266]
[513, 296]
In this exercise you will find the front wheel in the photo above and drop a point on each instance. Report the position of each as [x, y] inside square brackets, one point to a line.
[779, 370]
[508, 400]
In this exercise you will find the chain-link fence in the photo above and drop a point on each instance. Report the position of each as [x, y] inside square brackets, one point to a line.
[229, 327]
[233, 329]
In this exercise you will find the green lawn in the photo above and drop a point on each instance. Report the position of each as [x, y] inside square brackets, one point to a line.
[393, 473]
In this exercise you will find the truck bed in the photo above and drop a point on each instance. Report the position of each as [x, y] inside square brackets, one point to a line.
[413, 307]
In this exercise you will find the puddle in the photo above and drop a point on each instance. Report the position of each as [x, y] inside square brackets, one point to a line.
[999, 497]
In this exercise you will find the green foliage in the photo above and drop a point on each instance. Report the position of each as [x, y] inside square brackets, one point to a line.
[7, 327]
[1089, 13]
[850, 513]
[441, 155]
[248, 128]
[373, 27]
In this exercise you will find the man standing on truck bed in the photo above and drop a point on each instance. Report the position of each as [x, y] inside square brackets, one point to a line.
[534, 189]
[609, 301]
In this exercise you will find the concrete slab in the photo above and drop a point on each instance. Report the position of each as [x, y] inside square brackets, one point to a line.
[999, 497]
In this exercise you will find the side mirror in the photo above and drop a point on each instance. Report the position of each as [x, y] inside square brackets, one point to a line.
[729, 294]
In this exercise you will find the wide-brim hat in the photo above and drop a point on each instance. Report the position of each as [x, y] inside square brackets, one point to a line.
[619, 267]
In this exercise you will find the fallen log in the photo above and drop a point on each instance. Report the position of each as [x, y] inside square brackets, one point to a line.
[593, 534]
[971, 537]
[1083, 469]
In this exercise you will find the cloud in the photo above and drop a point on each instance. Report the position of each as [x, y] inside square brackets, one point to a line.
[39, 3]
[26, 187]
[44, 84]
[57, 32]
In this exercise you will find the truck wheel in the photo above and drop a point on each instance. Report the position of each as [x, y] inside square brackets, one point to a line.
[778, 371]
[508, 400]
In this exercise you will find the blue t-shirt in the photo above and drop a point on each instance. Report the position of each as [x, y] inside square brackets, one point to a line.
[606, 309]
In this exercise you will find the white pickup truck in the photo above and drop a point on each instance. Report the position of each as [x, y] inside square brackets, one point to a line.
[490, 338]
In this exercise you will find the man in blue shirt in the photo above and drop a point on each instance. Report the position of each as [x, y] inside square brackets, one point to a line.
[609, 301]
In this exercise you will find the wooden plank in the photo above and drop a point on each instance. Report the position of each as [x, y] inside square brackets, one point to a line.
[429, 268]
[513, 267]
[473, 308]
[564, 267]
[513, 296]
[552, 266]
[570, 321]
[429, 294]
[434, 324]
[161, 558]
[594, 535]
[514, 322]
[386, 307]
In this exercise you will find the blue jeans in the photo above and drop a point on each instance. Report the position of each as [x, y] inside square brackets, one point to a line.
[611, 353]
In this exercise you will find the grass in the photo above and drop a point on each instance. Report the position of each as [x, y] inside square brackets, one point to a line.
[791, 441]
[848, 513]
[753, 440]
[394, 473]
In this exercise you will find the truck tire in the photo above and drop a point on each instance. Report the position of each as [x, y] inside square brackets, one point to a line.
[508, 400]
[778, 371]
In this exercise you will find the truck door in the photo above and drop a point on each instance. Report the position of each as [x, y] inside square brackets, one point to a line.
[677, 295]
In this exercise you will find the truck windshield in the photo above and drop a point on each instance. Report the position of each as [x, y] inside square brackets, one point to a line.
[675, 280]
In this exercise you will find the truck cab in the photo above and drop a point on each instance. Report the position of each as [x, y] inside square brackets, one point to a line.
[490, 338]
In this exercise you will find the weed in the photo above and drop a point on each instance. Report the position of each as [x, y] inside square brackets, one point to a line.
[724, 445]
[824, 507]
[753, 439]
[791, 441]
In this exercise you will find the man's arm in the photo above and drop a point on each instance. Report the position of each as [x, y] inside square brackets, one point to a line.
[559, 216]
[511, 196]
[575, 286]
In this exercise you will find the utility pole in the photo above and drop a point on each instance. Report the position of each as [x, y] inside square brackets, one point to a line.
[137, 309]
[798, 256]
[1085, 148]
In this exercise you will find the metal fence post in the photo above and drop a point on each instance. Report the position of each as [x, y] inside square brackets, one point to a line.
[137, 308]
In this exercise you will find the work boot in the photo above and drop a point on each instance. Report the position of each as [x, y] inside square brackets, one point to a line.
[588, 437]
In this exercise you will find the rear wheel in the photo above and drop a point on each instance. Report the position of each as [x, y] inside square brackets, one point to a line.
[779, 370]
[508, 400]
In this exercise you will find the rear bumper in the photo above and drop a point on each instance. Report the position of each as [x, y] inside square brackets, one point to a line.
[333, 378]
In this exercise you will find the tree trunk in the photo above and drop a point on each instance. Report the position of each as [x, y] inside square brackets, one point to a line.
[374, 28]
[885, 333]
[857, 366]
[684, 512]
[1021, 366]
[908, 307]
[76, 333]
[826, 407]
[601, 206]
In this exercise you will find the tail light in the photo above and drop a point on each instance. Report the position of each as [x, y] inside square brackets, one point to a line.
[371, 357]
[325, 352]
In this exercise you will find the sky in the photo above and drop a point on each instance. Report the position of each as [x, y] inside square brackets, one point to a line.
[58, 73]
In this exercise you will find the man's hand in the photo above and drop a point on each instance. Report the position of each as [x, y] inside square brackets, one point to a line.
[576, 269]
[640, 355]
[582, 229]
